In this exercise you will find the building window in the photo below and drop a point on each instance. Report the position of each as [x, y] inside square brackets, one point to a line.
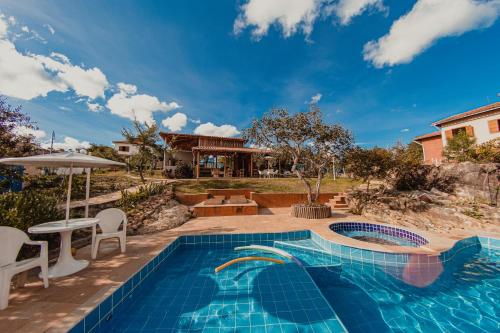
[124, 148]
[453, 132]
[494, 125]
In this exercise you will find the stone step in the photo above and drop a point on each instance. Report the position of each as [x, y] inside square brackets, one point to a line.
[340, 206]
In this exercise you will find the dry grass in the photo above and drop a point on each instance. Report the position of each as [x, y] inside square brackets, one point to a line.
[274, 185]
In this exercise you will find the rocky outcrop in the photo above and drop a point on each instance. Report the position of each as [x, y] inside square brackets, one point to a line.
[167, 218]
[157, 213]
[472, 181]
[428, 210]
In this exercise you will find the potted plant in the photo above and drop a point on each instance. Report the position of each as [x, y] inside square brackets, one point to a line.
[310, 142]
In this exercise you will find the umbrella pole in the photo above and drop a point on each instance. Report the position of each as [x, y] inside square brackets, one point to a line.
[87, 193]
[68, 199]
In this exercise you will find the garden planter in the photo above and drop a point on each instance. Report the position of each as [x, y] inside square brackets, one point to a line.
[311, 212]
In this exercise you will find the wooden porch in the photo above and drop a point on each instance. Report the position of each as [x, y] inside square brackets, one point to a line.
[225, 162]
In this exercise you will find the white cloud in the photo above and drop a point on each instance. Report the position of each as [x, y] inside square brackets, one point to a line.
[49, 27]
[176, 122]
[64, 108]
[27, 76]
[297, 15]
[127, 88]
[213, 130]
[85, 82]
[69, 143]
[94, 107]
[60, 56]
[347, 9]
[291, 15]
[3, 26]
[127, 104]
[405, 130]
[198, 121]
[23, 76]
[26, 131]
[25, 29]
[315, 99]
[428, 21]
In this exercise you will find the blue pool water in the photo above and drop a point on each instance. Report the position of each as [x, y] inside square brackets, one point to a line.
[377, 233]
[188, 296]
[325, 294]
[464, 298]
[376, 237]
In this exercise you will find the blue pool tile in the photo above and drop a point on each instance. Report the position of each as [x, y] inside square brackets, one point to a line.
[91, 319]
[78, 328]
[105, 307]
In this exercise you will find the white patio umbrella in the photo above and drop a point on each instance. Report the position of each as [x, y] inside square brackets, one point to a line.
[269, 158]
[65, 160]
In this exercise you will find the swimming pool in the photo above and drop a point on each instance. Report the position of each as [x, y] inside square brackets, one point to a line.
[379, 234]
[334, 291]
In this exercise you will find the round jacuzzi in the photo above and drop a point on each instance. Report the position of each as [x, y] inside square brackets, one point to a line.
[379, 234]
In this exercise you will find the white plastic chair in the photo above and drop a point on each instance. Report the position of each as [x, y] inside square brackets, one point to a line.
[109, 222]
[11, 241]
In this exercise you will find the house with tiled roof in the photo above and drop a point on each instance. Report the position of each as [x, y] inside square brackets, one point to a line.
[482, 123]
[125, 148]
[211, 156]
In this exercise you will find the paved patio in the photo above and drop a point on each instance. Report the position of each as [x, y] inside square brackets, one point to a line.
[35, 309]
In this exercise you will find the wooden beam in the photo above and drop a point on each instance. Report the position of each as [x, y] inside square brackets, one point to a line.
[251, 165]
[225, 165]
[197, 165]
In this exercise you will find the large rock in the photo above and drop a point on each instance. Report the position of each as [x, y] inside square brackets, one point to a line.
[478, 182]
[169, 217]
[428, 210]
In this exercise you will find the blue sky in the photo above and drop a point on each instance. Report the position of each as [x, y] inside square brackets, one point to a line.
[384, 69]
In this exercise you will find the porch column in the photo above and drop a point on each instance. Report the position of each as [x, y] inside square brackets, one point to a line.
[197, 164]
[251, 165]
[225, 164]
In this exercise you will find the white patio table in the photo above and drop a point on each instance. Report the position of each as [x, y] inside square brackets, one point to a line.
[66, 264]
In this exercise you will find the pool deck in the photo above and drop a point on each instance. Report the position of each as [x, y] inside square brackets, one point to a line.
[68, 299]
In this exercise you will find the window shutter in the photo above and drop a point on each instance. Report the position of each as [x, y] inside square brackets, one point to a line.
[493, 125]
[469, 130]
[448, 134]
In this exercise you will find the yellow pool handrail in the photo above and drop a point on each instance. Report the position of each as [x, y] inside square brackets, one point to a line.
[234, 261]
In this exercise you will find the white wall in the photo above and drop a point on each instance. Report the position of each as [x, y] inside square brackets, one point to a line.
[133, 149]
[480, 125]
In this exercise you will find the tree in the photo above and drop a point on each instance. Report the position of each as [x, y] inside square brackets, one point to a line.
[104, 151]
[145, 136]
[15, 140]
[408, 172]
[488, 152]
[369, 164]
[460, 148]
[305, 137]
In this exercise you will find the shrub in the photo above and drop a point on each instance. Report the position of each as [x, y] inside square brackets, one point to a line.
[462, 148]
[407, 172]
[130, 200]
[369, 164]
[488, 152]
[24, 209]
[183, 170]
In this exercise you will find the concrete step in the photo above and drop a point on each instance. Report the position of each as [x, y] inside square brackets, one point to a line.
[340, 206]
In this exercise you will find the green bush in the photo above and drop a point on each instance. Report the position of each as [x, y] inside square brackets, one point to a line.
[27, 208]
[183, 170]
[130, 200]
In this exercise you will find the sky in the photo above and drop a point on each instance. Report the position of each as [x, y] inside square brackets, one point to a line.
[385, 69]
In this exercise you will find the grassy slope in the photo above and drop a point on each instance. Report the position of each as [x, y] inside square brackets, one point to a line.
[262, 185]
